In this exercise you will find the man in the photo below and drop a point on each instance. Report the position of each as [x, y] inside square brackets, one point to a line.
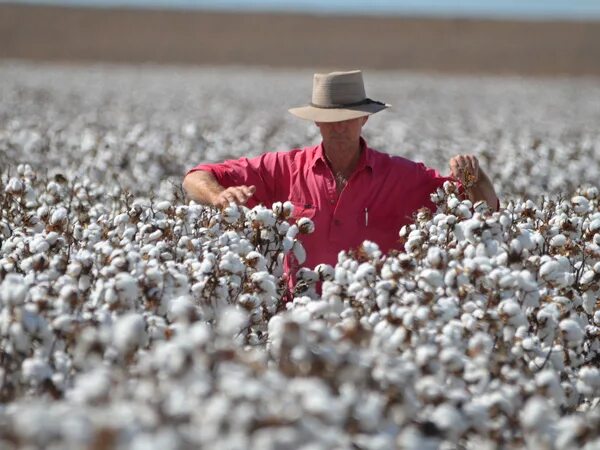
[349, 190]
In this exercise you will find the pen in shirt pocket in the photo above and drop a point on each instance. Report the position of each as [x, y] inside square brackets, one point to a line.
[366, 217]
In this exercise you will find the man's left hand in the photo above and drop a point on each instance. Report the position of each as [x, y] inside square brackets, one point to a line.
[476, 183]
[466, 169]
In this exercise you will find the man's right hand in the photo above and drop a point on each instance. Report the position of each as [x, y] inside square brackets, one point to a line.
[202, 187]
[235, 194]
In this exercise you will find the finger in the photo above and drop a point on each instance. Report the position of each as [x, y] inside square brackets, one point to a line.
[474, 164]
[456, 165]
[221, 203]
[238, 196]
[471, 161]
[459, 161]
[251, 189]
[248, 191]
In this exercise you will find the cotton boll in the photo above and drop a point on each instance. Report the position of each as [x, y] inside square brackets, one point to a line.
[569, 430]
[154, 236]
[464, 210]
[231, 321]
[527, 282]
[35, 370]
[447, 418]
[232, 263]
[63, 323]
[581, 204]
[594, 225]
[231, 213]
[365, 272]
[537, 415]
[129, 333]
[511, 312]
[59, 216]
[558, 241]
[430, 279]
[435, 257]
[13, 290]
[127, 288]
[571, 332]
[452, 359]
[589, 381]
[549, 384]
[370, 249]
[299, 252]
[262, 216]
[91, 387]
[282, 228]
[256, 261]
[39, 245]
[181, 309]
[163, 206]
[325, 272]
[305, 225]
[588, 277]
[14, 186]
[266, 282]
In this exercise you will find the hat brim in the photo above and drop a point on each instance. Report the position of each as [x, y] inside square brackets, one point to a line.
[337, 114]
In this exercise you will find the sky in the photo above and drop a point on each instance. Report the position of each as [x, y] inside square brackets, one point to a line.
[516, 9]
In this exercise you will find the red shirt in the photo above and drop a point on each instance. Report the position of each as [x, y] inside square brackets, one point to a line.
[380, 197]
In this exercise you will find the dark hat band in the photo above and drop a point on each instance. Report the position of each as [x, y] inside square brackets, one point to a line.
[366, 101]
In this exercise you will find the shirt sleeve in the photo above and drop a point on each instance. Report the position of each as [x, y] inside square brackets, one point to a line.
[261, 172]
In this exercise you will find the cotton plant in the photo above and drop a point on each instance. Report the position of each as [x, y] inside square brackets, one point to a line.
[446, 343]
[73, 267]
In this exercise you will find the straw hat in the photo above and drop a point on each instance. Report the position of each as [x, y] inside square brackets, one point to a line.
[338, 96]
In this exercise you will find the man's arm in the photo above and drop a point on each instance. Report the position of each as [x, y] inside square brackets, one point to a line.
[475, 181]
[202, 187]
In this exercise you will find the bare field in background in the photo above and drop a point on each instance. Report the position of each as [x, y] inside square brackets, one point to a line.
[287, 40]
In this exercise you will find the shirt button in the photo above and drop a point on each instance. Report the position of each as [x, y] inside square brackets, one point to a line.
[332, 201]
[337, 222]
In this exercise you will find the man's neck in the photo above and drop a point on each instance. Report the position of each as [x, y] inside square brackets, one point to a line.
[342, 156]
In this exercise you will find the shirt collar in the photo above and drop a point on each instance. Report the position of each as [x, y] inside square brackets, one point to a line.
[365, 160]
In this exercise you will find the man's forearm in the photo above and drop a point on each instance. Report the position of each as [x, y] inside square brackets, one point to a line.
[202, 187]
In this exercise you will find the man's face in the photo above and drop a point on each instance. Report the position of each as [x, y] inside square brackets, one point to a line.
[344, 131]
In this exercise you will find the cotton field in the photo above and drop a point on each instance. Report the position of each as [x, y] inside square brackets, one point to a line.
[132, 319]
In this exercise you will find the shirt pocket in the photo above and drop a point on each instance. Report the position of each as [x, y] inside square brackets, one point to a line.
[380, 222]
[381, 228]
